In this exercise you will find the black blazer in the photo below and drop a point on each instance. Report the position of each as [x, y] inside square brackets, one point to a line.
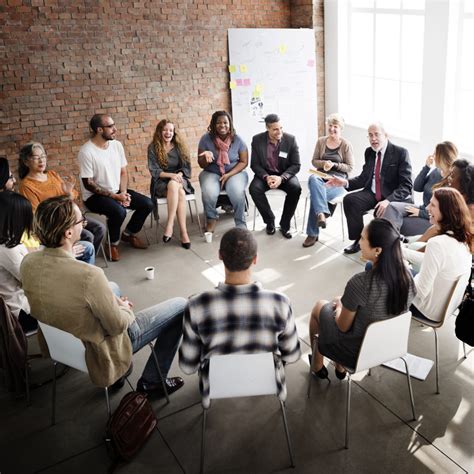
[288, 166]
[396, 181]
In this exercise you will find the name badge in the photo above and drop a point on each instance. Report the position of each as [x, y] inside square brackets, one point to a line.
[283, 154]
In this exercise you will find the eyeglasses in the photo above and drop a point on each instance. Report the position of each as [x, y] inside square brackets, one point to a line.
[38, 157]
[108, 126]
[82, 221]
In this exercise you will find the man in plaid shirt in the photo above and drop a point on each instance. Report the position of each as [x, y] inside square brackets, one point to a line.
[239, 316]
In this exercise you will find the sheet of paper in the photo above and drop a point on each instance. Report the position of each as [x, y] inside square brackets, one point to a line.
[418, 366]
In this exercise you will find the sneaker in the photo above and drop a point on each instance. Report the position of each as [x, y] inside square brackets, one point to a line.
[155, 389]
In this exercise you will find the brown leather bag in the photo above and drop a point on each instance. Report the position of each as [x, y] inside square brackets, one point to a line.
[130, 426]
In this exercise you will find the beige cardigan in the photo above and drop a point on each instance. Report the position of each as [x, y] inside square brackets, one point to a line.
[345, 152]
[76, 297]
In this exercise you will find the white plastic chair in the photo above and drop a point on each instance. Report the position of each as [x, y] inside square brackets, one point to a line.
[189, 198]
[337, 200]
[69, 350]
[243, 375]
[383, 341]
[273, 192]
[453, 302]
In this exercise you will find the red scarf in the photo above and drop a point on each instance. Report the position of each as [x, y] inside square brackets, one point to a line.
[223, 155]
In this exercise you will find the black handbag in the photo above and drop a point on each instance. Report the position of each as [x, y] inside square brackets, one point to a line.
[465, 319]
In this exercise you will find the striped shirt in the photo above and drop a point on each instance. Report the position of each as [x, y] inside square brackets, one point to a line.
[244, 319]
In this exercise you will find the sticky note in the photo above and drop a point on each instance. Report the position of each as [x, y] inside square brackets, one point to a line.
[232, 85]
[310, 62]
[240, 82]
[246, 82]
[232, 68]
[258, 87]
[243, 68]
[282, 48]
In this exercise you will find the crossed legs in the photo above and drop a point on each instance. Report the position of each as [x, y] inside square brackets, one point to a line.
[176, 198]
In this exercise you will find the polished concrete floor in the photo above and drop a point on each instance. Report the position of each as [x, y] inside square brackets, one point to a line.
[246, 435]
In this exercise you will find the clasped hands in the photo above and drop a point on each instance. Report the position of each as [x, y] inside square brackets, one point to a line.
[123, 198]
[274, 181]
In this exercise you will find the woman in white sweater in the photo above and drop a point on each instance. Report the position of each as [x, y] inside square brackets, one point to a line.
[15, 221]
[447, 256]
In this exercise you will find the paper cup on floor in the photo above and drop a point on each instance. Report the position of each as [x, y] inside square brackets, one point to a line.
[208, 237]
[150, 273]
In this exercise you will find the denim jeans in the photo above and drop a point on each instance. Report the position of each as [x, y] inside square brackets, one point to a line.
[235, 187]
[89, 253]
[319, 196]
[163, 322]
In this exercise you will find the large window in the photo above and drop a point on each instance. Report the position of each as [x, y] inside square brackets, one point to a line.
[385, 64]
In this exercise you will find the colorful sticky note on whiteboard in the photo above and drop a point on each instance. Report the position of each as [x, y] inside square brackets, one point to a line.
[232, 85]
[232, 68]
[310, 62]
[244, 68]
[246, 82]
[282, 48]
[258, 87]
[240, 82]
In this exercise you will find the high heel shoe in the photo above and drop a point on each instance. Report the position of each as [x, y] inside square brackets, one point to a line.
[322, 373]
[186, 245]
[340, 375]
[166, 239]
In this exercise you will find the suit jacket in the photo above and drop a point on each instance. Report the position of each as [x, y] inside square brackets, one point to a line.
[288, 166]
[76, 297]
[395, 175]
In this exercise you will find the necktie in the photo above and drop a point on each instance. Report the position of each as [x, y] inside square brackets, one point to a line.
[378, 188]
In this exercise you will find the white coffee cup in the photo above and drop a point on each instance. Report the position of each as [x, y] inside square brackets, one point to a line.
[208, 237]
[150, 272]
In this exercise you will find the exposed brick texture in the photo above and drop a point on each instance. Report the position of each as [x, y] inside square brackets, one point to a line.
[139, 61]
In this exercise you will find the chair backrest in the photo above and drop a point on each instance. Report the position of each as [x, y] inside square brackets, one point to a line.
[64, 347]
[457, 294]
[242, 375]
[384, 340]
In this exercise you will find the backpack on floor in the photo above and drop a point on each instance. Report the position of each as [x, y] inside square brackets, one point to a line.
[465, 319]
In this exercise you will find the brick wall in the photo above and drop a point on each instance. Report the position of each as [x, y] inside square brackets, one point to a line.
[139, 61]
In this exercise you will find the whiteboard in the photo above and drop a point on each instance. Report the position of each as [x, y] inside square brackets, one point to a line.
[274, 71]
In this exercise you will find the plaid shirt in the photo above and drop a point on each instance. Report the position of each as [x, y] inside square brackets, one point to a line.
[241, 319]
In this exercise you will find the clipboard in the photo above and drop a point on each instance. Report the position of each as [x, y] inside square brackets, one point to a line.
[320, 174]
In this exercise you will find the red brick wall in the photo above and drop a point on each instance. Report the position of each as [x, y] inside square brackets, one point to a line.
[139, 61]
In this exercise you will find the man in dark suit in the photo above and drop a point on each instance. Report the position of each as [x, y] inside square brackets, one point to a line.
[275, 161]
[385, 177]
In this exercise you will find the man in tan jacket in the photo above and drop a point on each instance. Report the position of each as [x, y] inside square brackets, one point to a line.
[78, 299]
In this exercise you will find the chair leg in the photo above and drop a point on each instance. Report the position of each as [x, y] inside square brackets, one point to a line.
[102, 249]
[204, 415]
[108, 241]
[254, 216]
[304, 213]
[341, 207]
[159, 372]
[107, 401]
[315, 345]
[464, 349]
[287, 433]
[53, 406]
[437, 360]
[191, 212]
[348, 409]
[410, 390]
[197, 217]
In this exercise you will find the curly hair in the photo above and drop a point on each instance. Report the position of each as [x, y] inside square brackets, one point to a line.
[455, 216]
[212, 125]
[237, 250]
[159, 144]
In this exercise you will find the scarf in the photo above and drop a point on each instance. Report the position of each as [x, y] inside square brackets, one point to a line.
[223, 155]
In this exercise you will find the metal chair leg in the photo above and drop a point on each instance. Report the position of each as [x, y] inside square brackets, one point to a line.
[197, 217]
[108, 240]
[304, 213]
[107, 401]
[315, 345]
[348, 409]
[464, 349]
[204, 415]
[159, 372]
[437, 360]
[342, 221]
[410, 390]
[103, 254]
[287, 432]
[53, 407]
[191, 212]
[254, 216]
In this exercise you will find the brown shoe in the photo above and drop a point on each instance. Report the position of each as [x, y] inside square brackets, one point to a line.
[134, 241]
[113, 255]
[211, 225]
[310, 241]
[321, 220]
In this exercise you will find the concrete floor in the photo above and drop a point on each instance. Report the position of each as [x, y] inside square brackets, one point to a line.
[246, 435]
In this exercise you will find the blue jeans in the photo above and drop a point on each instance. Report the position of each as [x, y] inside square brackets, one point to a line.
[319, 196]
[163, 322]
[89, 253]
[235, 187]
